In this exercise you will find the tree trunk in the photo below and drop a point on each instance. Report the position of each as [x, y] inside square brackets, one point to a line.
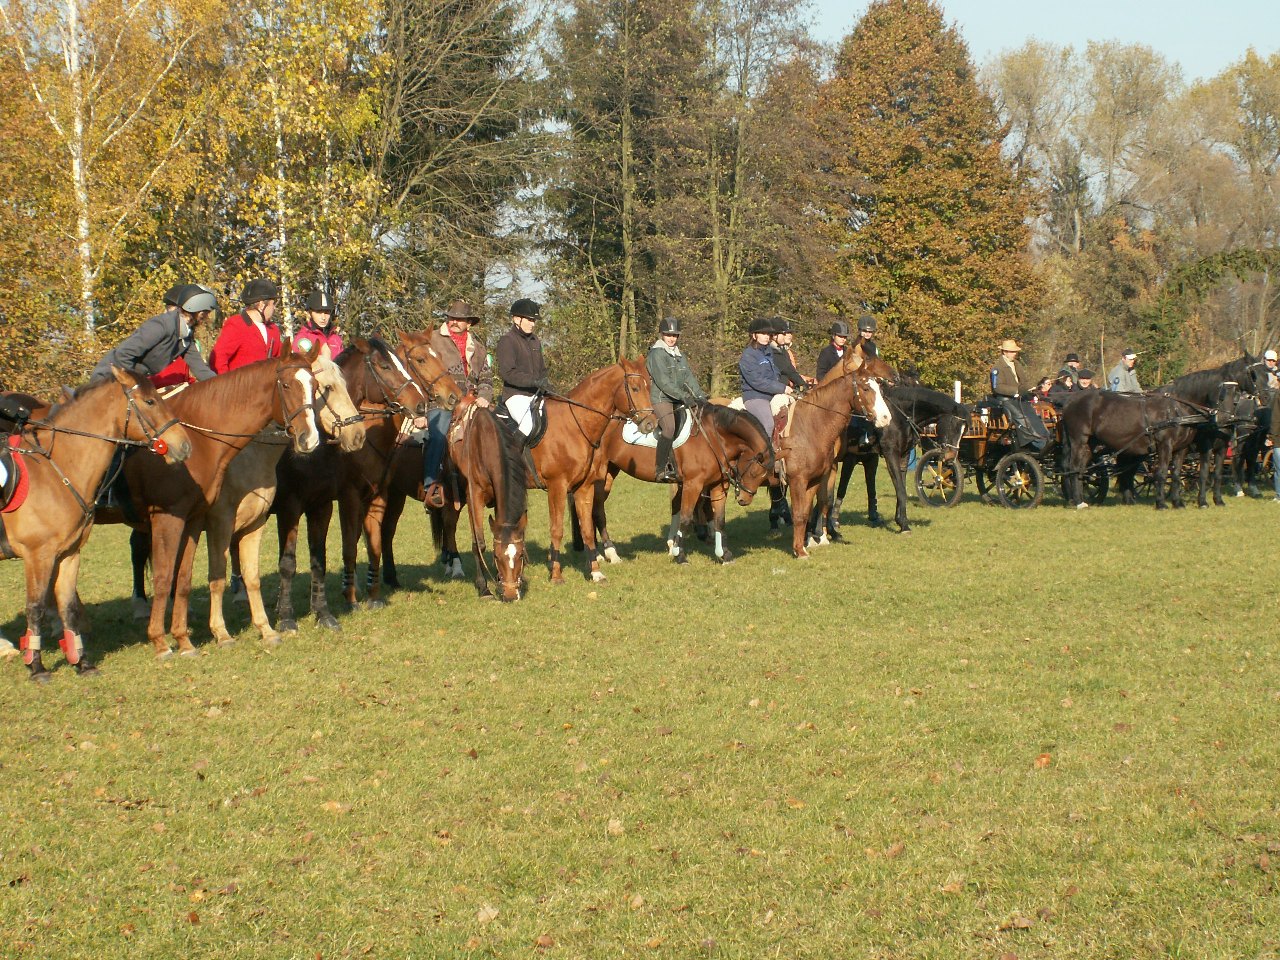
[79, 172]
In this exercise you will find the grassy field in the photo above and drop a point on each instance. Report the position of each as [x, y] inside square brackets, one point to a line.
[1031, 734]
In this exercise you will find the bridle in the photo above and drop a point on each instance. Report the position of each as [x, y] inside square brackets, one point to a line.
[390, 395]
[287, 418]
[729, 468]
[432, 392]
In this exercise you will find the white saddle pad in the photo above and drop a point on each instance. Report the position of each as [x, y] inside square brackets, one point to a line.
[519, 407]
[632, 435]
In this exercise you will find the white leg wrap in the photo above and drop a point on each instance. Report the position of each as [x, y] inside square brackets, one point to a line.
[719, 544]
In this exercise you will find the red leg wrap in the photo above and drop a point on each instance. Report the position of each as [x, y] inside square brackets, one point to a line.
[70, 648]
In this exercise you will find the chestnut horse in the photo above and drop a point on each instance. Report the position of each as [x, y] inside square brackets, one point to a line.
[567, 459]
[67, 456]
[388, 387]
[222, 415]
[818, 418]
[725, 447]
[240, 513]
[489, 457]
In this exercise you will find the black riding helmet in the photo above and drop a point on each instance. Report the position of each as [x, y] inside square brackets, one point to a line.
[318, 302]
[867, 323]
[780, 324]
[761, 325]
[838, 329]
[669, 325]
[174, 294]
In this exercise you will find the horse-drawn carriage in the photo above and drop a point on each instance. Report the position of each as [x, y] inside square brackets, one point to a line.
[1006, 471]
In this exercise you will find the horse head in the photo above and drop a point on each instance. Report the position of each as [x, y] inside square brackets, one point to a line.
[751, 464]
[385, 380]
[428, 368]
[338, 414]
[510, 555]
[632, 396]
[148, 420]
[295, 399]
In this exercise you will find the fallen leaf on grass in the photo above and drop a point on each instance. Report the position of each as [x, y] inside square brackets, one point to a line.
[1017, 923]
[794, 803]
[895, 850]
[487, 914]
[473, 943]
[1043, 761]
[615, 827]
[637, 902]
[193, 918]
[952, 888]
[128, 930]
[544, 942]
[333, 806]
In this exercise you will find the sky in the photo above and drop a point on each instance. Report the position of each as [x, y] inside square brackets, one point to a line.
[1203, 36]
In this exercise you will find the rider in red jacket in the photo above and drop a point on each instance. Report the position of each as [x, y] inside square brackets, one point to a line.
[251, 334]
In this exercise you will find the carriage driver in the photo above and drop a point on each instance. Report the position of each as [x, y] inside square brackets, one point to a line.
[673, 386]
[466, 360]
[164, 338]
[1011, 383]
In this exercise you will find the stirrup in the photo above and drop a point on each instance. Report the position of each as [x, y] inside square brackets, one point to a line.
[433, 495]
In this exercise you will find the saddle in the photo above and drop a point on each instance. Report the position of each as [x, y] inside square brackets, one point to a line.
[684, 423]
[534, 416]
[463, 414]
[17, 482]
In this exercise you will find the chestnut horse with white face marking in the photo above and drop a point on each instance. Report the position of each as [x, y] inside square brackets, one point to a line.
[388, 386]
[221, 415]
[67, 457]
[818, 419]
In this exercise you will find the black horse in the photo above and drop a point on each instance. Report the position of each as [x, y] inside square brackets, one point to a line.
[913, 407]
[1225, 397]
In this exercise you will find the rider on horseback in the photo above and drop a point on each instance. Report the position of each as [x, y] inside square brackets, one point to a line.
[783, 358]
[833, 352]
[467, 361]
[164, 338]
[319, 326]
[250, 335]
[761, 382]
[673, 386]
[521, 366]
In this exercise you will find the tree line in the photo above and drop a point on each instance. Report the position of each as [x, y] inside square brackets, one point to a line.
[627, 160]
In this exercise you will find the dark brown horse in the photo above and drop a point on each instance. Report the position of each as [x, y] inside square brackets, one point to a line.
[818, 418]
[390, 387]
[67, 456]
[222, 415]
[724, 448]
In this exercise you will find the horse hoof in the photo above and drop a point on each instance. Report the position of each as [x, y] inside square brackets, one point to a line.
[557, 581]
[86, 669]
[1082, 506]
[226, 641]
[376, 605]
[727, 557]
[189, 652]
[42, 677]
[287, 626]
[328, 621]
[681, 557]
[164, 654]
[597, 576]
[611, 554]
[802, 556]
[271, 639]
[141, 608]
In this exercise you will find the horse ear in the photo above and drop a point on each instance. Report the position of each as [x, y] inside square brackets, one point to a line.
[853, 361]
[121, 376]
[361, 344]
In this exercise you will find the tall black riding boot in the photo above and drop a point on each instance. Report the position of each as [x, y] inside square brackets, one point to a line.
[666, 462]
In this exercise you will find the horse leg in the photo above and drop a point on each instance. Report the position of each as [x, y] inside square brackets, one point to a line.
[139, 554]
[166, 539]
[288, 516]
[719, 494]
[1219, 466]
[349, 521]
[675, 532]
[180, 626]
[1207, 455]
[250, 545]
[897, 467]
[39, 568]
[603, 541]
[556, 498]
[584, 502]
[870, 467]
[475, 512]
[373, 549]
[217, 538]
[449, 555]
[390, 520]
[319, 517]
[72, 612]
[801, 496]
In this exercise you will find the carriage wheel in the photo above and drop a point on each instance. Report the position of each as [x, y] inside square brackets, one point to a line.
[986, 478]
[1019, 481]
[939, 479]
[1096, 481]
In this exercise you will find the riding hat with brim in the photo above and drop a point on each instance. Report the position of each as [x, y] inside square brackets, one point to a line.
[461, 310]
[1072, 358]
[173, 296]
[838, 329]
[256, 291]
[1129, 354]
[1010, 346]
[761, 325]
[318, 302]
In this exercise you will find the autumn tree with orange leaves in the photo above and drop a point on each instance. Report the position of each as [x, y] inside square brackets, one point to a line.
[931, 227]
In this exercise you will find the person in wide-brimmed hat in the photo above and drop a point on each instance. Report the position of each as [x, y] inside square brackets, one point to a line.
[466, 360]
[1012, 384]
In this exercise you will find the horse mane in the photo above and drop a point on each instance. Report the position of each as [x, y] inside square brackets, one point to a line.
[1202, 385]
[84, 392]
[511, 460]
[729, 420]
[377, 343]
[934, 401]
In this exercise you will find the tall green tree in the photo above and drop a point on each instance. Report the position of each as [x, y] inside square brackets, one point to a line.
[934, 223]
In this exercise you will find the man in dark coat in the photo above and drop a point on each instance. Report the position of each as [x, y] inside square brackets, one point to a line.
[1011, 383]
[466, 360]
[163, 338]
[520, 364]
